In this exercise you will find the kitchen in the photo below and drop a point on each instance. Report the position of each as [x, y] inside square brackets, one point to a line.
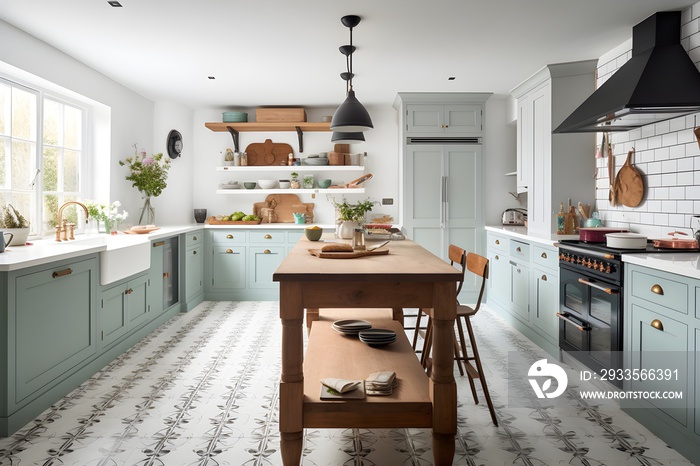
[139, 120]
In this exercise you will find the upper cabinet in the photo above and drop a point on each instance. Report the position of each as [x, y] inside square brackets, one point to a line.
[553, 168]
[451, 118]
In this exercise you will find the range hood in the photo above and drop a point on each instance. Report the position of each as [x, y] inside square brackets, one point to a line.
[658, 82]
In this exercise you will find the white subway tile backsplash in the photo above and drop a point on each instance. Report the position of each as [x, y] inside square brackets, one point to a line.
[667, 154]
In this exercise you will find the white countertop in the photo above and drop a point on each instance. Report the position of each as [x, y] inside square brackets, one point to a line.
[47, 250]
[521, 232]
[686, 264]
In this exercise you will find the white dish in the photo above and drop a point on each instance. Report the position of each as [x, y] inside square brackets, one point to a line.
[267, 184]
[626, 241]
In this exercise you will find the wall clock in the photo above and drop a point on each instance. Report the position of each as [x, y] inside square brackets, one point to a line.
[174, 144]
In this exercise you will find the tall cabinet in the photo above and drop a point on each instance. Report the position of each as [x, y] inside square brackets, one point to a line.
[552, 168]
[441, 137]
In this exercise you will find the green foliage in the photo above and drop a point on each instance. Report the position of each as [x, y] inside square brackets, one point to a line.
[147, 173]
[10, 218]
[353, 212]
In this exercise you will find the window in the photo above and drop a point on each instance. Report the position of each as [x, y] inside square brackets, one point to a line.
[42, 161]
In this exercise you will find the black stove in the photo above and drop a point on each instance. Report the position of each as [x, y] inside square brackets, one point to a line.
[601, 247]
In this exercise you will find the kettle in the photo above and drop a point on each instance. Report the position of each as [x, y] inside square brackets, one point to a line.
[593, 222]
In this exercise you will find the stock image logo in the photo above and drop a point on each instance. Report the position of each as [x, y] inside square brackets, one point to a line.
[547, 372]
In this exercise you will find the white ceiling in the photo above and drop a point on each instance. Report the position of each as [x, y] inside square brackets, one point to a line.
[284, 52]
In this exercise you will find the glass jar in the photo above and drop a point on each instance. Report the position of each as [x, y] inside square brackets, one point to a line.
[358, 240]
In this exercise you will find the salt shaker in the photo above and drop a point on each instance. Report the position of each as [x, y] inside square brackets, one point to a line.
[358, 240]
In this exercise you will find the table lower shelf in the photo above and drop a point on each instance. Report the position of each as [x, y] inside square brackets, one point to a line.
[331, 354]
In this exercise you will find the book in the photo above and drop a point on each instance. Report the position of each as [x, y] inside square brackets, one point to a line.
[357, 393]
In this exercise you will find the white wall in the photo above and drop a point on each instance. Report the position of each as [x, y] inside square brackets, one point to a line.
[667, 154]
[131, 115]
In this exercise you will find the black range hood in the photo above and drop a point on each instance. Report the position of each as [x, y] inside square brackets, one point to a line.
[658, 82]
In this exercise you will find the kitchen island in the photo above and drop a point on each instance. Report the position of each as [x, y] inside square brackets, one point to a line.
[409, 276]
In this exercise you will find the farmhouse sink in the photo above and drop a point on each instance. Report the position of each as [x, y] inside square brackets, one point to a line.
[121, 257]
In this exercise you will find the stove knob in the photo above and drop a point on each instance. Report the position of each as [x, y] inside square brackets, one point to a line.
[593, 264]
[608, 269]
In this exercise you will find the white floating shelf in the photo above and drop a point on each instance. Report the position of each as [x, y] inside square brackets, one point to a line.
[284, 168]
[292, 191]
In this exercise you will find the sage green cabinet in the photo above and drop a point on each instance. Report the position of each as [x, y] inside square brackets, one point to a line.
[228, 267]
[194, 269]
[499, 277]
[546, 302]
[53, 323]
[520, 290]
[263, 263]
[449, 118]
[123, 307]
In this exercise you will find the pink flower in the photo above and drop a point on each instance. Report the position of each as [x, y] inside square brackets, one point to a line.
[148, 161]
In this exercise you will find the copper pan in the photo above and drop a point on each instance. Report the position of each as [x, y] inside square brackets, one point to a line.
[676, 243]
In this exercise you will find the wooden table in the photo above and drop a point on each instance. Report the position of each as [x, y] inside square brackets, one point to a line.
[409, 276]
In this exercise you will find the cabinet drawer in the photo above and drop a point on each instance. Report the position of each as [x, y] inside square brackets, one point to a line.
[266, 236]
[545, 257]
[498, 242]
[228, 236]
[193, 238]
[519, 251]
[658, 289]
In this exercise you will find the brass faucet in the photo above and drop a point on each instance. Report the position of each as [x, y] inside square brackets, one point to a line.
[64, 230]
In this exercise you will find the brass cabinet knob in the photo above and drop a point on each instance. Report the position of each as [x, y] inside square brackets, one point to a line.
[656, 289]
[128, 291]
[496, 257]
[229, 236]
[544, 255]
[544, 278]
[657, 324]
[194, 253]
[518, 249]
[498, 242]
[228, 251]
[266, 251]
[194, 238]
[268, 237]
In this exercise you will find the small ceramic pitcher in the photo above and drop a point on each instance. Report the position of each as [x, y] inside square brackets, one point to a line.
[4, 244]
[299, 218]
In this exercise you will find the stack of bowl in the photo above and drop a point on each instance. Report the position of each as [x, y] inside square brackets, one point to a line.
[234, 117]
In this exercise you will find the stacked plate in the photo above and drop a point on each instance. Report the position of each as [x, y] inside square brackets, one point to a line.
[377, 336]
[234, 117]
[351, 326]
[316, 161]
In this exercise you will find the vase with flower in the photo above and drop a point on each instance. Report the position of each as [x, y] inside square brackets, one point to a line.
[350, 216]
[107, 214]
[148, 174]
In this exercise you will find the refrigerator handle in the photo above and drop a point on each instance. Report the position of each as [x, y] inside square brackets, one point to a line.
[443, 203]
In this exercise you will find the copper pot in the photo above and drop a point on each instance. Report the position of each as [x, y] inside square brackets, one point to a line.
[676, 243]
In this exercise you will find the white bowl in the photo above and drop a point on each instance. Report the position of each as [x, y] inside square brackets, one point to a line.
[267, 184]
[285, 184]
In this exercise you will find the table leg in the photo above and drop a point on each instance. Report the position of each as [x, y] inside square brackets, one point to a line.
[443, 389]
[397, 314]
[291, 402]
[312, 314]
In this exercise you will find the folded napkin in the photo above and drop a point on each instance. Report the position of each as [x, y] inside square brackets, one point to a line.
[341, 385]
[381, 383]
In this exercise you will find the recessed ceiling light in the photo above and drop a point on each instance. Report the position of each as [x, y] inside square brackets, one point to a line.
[211, 77]
[114, 3]
[451, 78]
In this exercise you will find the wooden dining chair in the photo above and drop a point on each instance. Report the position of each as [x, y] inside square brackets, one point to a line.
[479, 266]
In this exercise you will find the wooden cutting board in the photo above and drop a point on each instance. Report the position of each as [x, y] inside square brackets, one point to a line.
[285, 205]
[347, 255]
[268, 153]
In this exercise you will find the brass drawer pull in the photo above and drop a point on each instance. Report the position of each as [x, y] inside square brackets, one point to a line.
[158, 244]
[62, 273]
[656, 323]
[544, 255]
[268, 236]
[128, 291]
[166, 275]
[496, 257]
[656, 289]
[544, 278]
[228, 251]
[194, 238]
[194, 253]
[498, 242]
[266, 251]
[518, 249]
[229, 236]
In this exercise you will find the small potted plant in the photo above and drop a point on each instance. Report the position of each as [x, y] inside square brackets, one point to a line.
[350, 216]
[295, 184]
[11, 221]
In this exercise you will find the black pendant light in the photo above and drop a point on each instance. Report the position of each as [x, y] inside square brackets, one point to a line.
[340, 137]
[351, 116]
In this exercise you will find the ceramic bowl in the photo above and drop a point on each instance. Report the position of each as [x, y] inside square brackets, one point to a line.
[285, 184]
[313, 234]
[267, 184]
[324, 183]
[250, 184]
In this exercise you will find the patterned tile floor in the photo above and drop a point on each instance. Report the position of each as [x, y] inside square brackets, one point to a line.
[203, 390]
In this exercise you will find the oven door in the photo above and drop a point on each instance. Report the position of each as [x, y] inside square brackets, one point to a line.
[589, 315]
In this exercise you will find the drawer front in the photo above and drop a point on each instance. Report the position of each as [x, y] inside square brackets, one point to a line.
[229, 236]
[545, 257]
[194, 238]
[267, 236]
[658, 289]
[498, 242]
[519, 251]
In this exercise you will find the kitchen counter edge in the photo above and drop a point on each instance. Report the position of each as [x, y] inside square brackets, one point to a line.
[686, 264]
[520, 232]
